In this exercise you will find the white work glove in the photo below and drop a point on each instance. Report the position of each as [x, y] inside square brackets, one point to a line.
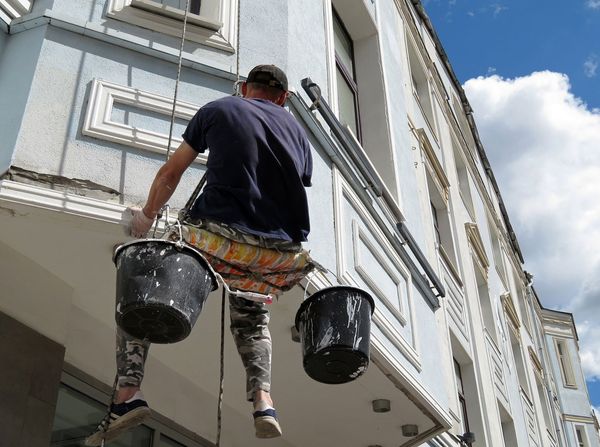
[140, 223]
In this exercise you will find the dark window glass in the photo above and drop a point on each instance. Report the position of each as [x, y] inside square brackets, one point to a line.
[195, 6]
[345, 77]
[168, 442]
[77, 416]
[462, 403]
[436, 223]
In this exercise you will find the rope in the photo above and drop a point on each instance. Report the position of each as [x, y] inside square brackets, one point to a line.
[222, 372]
[237, 44]
[185, 17]
[193, 197]
[105, 422]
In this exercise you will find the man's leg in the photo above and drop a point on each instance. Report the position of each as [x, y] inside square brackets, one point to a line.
[249, 326]
[131, 358]
[129, 408]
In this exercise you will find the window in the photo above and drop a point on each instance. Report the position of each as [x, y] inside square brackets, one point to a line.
[497, 251]
[194, 5]
[77, 416]
[521, 299]
[441, 226]
[437, 187]
[509, 433]
[520, 367]
[462, 122]
[80, 407]
[483, 292]
[12, 9]
[564, 361]
[346, 77]
[581, 436]
[210, 22]
[176, 9]
[541, 389]
[436, 223]
[462, 403]
[462, 175]
[420, 86]
[355, 55]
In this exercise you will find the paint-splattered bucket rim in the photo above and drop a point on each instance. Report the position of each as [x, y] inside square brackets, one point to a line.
[318, 294]
[178, 246]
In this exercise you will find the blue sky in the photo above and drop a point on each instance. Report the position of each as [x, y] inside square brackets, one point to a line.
[515, 38]
[531, 71]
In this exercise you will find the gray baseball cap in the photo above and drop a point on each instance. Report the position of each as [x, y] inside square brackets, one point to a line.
[269, 75]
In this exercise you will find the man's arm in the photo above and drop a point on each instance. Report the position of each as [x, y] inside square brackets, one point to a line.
[167, 178]
[165, 182]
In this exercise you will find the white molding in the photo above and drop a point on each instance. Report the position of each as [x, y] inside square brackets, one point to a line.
[412, 386]
[342, 191]
[357, 237]
[43, 198]
[14, 8]
[217, 32]
[98, 124]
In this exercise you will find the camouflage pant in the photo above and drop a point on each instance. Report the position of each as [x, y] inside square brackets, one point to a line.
[249, 322]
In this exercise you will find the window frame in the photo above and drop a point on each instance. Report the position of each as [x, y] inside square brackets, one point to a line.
[13, 9]
[583, 440]
[460, 391]
[217, 30]
[566, 369]
[420, 85]
[349, 78]
[160, 426]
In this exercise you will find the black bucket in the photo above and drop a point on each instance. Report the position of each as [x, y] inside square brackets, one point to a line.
[335, 326]
[161, 288]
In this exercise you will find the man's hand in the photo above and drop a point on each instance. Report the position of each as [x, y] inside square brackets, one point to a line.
[140, 223]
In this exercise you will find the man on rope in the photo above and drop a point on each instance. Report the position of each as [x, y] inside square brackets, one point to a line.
[259, 163]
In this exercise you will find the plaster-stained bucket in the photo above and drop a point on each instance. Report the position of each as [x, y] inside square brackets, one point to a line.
[334, 326]
[161, 288]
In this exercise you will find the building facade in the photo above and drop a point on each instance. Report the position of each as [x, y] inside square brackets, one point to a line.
[404, 205]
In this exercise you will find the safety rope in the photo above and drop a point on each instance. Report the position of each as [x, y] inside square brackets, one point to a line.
[192, 199]
[222, 371]
[105, 422]
[237, 50]
[185, 18]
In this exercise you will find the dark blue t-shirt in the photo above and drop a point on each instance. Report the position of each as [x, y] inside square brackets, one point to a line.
[259, 162]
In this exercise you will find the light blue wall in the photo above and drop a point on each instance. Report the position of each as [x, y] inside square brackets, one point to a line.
[17, 66]
[289, 34]
[3, 40]
[50, 140]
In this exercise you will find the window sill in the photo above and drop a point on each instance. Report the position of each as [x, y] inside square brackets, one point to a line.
[167, 20]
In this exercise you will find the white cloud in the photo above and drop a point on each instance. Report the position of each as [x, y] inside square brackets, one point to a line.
[497, 8]
[590, 66]
[544, 147]
[594, 4]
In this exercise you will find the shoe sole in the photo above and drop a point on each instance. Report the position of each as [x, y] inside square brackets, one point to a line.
[124, 423]
[267, 427]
